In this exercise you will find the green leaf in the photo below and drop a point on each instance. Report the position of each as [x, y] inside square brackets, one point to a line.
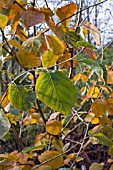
[104, 140]
[93, 65]
[49, 59]
[3, 21]
[84, 44]
[4, 124]
[96, 165]
[56, 91]
[28, 149]
[20, 97]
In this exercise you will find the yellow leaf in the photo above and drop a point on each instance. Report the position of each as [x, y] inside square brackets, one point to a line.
[99, 107]
[3, 21]
[14, 43]
[55, 163]
[95, 120]
[55, 44]
[90, 91]
[14, 10]
[96, 92]
[90, 53]
[49, 59]
[77, 77]
[21, 34]
[94, 31]
[83, 90]
[84, 31]
[84, 78]
[54, 127]
[14, 24]
[66, 11]
[27, 59]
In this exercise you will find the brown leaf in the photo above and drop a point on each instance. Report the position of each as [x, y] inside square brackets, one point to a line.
[54, 127]
[31, 18]
[99, 107]
[110, 77]
[90, 53]
[6, 3]
[55, 163]
[94, 31]
[65, 12]
[53, 116]
[110, 106]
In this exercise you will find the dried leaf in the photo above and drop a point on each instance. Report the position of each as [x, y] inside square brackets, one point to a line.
[90, 53]
[31, 18]
[94, 31]
[110, 106]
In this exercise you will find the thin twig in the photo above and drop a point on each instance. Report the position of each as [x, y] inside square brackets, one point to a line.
[40, 111]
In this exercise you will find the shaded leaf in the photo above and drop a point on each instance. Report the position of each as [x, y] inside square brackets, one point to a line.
[34, 43]
[4, 124]
[99, 107]
[58, 144]
[54, 127]
[103, 139]
[93, 65]
[49, 59]
[44, 167]
[95, 166]
[94, 31]
[32, 148]
[20, 97]
[28, 59]
[31, 18]
[66, 11]
[53, 88]
[90, 53]
[50, 154]
[3, 21]
[54, 44]
[6, 3]
[109, 106]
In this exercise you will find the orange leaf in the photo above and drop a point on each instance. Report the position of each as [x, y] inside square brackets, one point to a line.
[14, 10]
[110, 77]
[90, 91]
[54, 127]
[77, 77]
[84, 78]
[66, 11]
[90, 53]
[55, 163]
[99, 107]
[94, 31]
[110, 106]
[31, 18]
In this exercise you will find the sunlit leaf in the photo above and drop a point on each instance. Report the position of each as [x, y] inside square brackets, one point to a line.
[4, 124]
[55, 44]
[50, 154]
[14, 24]
[54, 127]
[49, 59]
[84, 31]
[21, 33]
[84, 78]
[28, 59]
[94, 31]
[3, 21]
[95, 166]
[14, 43]
[99, 107]
[53, 88]
[77, 77]
[90, 91]
[65, 12]
[95, 120]
[31, 18]
[20, 97]
[14, 10]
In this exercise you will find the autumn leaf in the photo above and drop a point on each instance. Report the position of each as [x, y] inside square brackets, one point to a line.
[99, 107]
[96, 165]
[77, 77]
[110, 77]
[54, 127]
[94, 31]
[84, 31]
[54, 44]
[109, 102]
[31, 18]
[65, 12]
[90, 53]
[6, 3]
[14, 10]
[3, 21]
[50, 154]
